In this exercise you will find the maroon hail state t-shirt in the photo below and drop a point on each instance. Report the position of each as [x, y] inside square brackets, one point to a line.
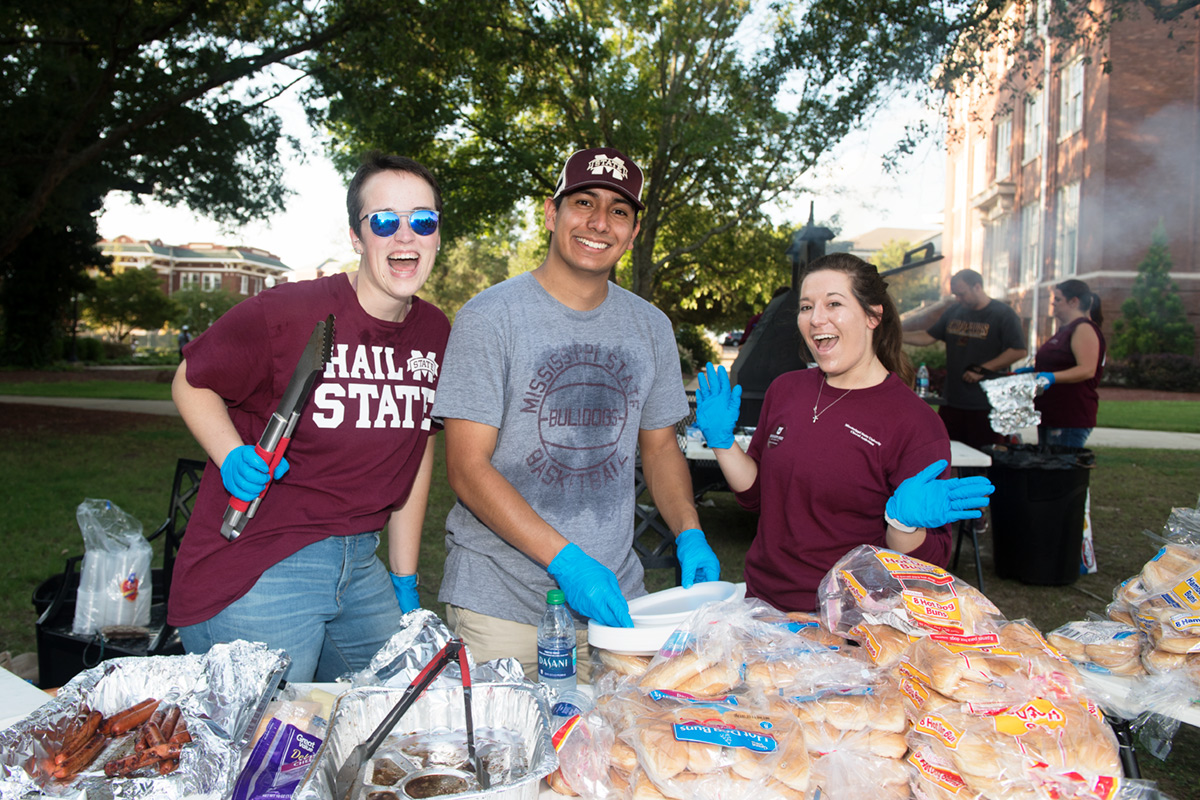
[354, 453]
[822, 486]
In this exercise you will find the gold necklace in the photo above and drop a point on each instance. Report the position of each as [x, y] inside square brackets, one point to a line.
[816, 413]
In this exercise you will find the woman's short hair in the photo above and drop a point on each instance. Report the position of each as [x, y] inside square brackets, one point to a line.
[375, 162]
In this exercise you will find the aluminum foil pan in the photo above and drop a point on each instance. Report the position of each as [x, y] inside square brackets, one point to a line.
[221, 695]
[421, 636]
[498, 709]
[1011, 398]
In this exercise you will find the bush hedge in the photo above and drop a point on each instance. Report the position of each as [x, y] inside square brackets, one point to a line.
[1166, 372]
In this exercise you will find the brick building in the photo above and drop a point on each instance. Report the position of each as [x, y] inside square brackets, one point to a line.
[241, 270]
[1065, 172]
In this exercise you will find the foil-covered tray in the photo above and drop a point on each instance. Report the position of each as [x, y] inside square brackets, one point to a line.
[221, 694]
[519, 709]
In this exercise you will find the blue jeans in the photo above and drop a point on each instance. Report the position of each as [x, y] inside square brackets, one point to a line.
[330, 606]
[1066, 437]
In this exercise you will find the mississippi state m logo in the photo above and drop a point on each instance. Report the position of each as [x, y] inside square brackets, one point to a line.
[601, 164]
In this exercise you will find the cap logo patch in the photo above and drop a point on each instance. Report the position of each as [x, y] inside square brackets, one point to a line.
[602, 163]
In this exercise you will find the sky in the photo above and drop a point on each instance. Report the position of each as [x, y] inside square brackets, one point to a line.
[850, 187]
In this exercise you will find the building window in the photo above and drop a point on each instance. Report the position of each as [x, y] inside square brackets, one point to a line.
[1070, 111]
[1003, 148]
[996, 258]
[189, 280]
[1031, 243]
[211, 281]
[979, 156]
[245, 284]
[1033, 127]
[1066, 230]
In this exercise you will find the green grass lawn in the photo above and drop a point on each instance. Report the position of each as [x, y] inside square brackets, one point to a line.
[107, 390]
[1180, 416]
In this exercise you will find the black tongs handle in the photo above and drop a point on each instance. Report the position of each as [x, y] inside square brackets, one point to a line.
[480, 773]
[454, 648]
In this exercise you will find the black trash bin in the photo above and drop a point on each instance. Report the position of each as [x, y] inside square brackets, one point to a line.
[1038, 511]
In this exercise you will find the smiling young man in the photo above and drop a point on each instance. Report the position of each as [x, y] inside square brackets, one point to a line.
[554, 380]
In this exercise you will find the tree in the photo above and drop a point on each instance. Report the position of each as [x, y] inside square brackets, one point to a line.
[127, 300]
[723, 108]
[146, 97]
[1153, 319]
[200, 308]
[913, 287]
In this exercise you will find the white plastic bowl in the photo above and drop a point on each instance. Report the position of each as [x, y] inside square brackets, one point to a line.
[655, 617]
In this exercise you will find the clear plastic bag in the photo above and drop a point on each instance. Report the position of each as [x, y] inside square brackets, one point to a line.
[876, 586]
[114, 583]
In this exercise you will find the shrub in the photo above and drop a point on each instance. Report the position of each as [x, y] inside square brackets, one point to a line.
[692, 339]
[87, 348]
[933, 356]
[1165, 372]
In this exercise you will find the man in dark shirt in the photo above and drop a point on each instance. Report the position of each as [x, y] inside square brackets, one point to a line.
[980, 333]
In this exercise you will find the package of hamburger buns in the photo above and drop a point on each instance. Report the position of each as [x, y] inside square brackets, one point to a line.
[876, 586]
[1100, 645]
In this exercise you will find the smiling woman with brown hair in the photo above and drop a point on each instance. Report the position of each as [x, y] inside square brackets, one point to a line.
[843, 455]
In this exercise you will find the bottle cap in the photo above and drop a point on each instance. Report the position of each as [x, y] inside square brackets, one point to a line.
[555, 597]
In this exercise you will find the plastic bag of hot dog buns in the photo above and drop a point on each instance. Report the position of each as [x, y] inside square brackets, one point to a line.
[728, 748]
[875, 586]
[1045, 747]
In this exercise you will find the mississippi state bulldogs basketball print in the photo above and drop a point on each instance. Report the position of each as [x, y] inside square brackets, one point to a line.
[583, 396]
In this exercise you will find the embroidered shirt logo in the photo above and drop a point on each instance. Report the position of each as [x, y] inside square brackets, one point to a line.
[423, 365]
[601, 164]
[776, 436]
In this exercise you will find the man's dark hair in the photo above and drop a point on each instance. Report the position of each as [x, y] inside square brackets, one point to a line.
[376, 162]
[969, 276]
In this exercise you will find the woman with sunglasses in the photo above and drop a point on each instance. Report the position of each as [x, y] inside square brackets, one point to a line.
[303, 575]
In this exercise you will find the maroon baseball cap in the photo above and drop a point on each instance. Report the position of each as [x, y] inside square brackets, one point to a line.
[602, 166]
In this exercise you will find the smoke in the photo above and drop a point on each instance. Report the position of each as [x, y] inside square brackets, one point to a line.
[1150, 174]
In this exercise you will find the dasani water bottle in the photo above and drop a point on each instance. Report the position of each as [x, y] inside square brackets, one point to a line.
[556, 645]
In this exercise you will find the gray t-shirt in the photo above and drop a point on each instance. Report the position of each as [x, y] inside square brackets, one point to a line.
[973, 337]
[569, 391]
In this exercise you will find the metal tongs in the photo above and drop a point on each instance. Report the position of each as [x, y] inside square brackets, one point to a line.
[454, 649]
[274, 440]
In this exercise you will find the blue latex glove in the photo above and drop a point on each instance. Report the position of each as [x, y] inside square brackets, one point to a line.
[244, 472]
[590, 587]
[717, 407]
[1022, 370]
[405, 587]
[1045, 379]
[697, 561]
[922, 501]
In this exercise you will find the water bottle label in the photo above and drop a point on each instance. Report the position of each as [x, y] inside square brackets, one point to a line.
[555, 663]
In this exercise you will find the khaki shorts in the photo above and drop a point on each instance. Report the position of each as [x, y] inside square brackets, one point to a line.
[489, 638]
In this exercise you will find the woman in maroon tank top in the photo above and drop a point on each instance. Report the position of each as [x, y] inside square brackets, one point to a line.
[1074, 358]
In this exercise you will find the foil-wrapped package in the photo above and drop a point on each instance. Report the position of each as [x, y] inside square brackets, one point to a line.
[221, 694]
[421, 636]
[1011, 398]
[511, 724]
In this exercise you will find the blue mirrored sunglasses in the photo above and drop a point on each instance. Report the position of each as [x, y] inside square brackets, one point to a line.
[386, 223]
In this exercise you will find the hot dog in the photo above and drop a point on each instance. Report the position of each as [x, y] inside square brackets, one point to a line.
[79, 759]
[78, 736]
[130, 718]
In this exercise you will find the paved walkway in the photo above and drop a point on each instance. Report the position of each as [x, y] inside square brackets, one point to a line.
[1101, 437]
